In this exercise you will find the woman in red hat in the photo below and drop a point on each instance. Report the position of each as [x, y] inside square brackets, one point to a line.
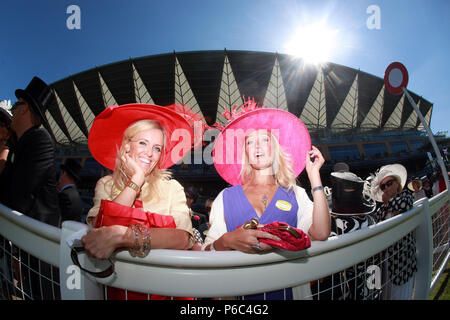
[139, 142]
[260, 153]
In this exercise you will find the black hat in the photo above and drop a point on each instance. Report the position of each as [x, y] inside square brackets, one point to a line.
[38, 95]
[348, 196]
[73, 168]
[5, 116]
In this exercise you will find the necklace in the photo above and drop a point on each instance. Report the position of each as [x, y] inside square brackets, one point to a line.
[264, 200]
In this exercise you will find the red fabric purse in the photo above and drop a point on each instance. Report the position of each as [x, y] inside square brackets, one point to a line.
[111, 213]
[292, 239]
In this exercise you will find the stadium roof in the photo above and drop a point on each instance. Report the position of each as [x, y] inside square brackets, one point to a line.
[327, 97]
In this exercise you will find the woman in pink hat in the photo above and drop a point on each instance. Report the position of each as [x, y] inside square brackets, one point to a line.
[139, 142]
[260, 153]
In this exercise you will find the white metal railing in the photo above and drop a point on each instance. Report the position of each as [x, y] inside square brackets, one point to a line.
[220, 274]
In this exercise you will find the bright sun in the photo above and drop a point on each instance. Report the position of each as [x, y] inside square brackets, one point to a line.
[313, 43]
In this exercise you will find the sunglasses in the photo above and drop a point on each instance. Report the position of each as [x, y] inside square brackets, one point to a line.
[386, 184]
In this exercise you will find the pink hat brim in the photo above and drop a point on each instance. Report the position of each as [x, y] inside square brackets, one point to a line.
[106, 134]
[292, 135]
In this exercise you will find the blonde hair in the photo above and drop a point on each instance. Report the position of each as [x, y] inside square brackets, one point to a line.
[156, 176]
[282, 166]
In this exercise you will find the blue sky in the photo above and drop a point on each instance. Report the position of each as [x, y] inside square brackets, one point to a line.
[36, 41]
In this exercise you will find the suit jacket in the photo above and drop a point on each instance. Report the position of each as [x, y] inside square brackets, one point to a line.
[28, 182]
[70, 204]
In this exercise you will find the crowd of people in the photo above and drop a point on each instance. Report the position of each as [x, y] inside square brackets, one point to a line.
[140, 207]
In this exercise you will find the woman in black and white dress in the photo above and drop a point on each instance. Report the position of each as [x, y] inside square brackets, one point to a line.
[388, 188]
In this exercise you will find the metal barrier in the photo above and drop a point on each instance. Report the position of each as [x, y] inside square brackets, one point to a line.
[349, 266]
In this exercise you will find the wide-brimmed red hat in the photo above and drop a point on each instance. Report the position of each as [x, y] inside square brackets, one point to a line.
[105, 137]
[291, 133]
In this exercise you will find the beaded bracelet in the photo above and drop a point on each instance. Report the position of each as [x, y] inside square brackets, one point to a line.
[136, 241]
[144, 232]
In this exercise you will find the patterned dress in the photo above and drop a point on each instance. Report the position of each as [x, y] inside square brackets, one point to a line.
[402, 261]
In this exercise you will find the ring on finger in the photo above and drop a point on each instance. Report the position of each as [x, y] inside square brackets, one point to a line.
[257, 246]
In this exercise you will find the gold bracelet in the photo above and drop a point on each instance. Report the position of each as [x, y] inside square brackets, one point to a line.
[133, 186]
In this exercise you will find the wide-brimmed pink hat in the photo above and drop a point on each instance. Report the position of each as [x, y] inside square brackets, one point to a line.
[105, 137]
[291, 133]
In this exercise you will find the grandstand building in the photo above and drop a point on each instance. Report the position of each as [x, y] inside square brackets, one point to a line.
[349, 114]
[5, 104]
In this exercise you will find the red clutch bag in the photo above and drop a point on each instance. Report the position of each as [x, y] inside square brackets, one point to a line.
[111, 213]
[292, 239]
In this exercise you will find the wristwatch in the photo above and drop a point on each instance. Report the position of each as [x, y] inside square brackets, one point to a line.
[133, 186]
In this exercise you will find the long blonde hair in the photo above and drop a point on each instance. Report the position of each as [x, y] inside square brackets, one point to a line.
[156, 176]
[281, 169]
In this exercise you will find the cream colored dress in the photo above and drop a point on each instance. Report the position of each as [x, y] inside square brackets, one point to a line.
[171, 202]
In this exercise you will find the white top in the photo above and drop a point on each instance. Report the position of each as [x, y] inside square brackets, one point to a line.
[219, 227]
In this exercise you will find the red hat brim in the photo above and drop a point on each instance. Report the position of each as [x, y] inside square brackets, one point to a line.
[292, 135]
[106, 134]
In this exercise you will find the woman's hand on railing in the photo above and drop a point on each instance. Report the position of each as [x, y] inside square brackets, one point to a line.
[101, 243]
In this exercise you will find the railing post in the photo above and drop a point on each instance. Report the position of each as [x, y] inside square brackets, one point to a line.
[424, 241]
[74, 284]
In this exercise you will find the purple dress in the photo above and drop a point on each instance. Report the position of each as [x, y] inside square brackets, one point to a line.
[237, 210]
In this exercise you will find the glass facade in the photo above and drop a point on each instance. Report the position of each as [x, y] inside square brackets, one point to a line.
[373, 150]
[399, 146]
[416, 144]
[344, 153]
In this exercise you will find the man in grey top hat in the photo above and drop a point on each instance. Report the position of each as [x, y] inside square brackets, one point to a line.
[28, 182]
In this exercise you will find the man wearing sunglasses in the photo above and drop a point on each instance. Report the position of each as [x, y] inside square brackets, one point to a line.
[28, 181]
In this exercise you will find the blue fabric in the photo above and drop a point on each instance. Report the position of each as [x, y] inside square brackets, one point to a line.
[238, 210]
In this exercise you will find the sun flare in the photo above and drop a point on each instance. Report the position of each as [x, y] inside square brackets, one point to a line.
[314, 43]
